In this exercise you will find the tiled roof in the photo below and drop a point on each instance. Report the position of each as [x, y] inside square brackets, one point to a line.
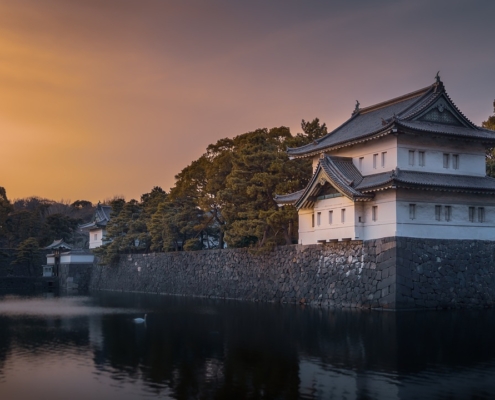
[348, 185]
[100, 218]
[340, 172]
[480, 184]
[290, 198]
[58, 244]
[402, 111]
[343, 175]
[450, 130]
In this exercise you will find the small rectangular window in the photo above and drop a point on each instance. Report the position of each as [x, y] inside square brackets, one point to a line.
[481, 214]
[438, 212]
[342, 215]
[412, 211]
[96, 236]
[411, 157]
[471, 214]
[374, 213]
[361, 164]
[448, 213]
[421, 158]
[312, 220]
[375, 160]
[318, 218]
[330, 217]
[446, 160]
[384, 158]
[455, 161]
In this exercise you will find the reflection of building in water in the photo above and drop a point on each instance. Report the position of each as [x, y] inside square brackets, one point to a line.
[325, 381]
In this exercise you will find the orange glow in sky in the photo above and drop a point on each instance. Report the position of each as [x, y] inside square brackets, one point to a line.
[104, 98]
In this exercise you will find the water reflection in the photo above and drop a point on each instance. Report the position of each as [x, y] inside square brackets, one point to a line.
[196, 349]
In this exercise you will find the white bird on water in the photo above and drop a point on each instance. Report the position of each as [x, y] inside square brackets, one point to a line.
[140, 320]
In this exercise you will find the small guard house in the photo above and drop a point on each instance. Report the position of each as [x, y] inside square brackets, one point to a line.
[412, 166]
[97, 227]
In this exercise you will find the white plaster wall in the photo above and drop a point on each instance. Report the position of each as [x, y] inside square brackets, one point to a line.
[336, 230]
[366, 150]
[385, 224]
[99, 239]
[306, 231]
[471, 155]
[459, 227]
[76, 258]
[358, 219]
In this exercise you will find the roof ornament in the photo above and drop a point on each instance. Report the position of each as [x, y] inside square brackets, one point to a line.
[384, 122]
[322, 156]
[356, 109]
[437, 77]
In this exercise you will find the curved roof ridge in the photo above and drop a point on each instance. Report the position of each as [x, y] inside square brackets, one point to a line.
[459, 111]
[395, 100]
[336, 170]
[420, 105]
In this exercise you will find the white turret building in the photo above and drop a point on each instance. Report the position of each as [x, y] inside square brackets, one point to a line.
[97, 228]
[413, 166]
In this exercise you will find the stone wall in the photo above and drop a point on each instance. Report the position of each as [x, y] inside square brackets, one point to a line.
[445, 273]
[395, 273]
[75, 277]
[345, 274]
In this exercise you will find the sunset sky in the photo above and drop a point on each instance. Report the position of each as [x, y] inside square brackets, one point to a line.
[112, 97]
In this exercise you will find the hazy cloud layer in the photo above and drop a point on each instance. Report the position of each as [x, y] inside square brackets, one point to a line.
[114, 97]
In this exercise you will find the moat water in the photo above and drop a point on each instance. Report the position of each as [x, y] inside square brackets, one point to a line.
[89, 348]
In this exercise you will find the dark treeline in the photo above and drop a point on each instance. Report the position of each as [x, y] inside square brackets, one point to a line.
[225, 197]
[26, 225]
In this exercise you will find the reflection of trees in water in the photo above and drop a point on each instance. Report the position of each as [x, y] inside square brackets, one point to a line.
[224, 350]
[5, 342]
[34, 335]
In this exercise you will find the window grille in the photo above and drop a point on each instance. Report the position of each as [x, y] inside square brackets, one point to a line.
[448, 213]
[312, 220]
[471, 214]
[375, 160]
[446, 160]
[438, 212]
[411, 157]
[481, 214]
[374, 213]
[412, 211]
[342, 215]
[361, 164]
[384, 158]
[455, 161]
[318, 218]
[330, 217]
[421, 158]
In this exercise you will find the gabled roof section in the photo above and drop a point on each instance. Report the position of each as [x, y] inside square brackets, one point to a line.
[427, 180]
[100, 218]
[425, 110]
[58, 245]
[291, 198]
[339, 172]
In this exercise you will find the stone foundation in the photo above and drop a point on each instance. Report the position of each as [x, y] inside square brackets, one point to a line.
[394, 273]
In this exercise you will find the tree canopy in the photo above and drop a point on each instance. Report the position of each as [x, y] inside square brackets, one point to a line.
[490, 154]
